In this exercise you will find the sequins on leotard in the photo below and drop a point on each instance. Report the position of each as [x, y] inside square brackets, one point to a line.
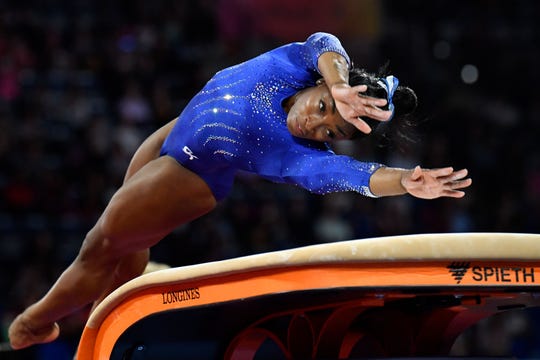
[237, 122]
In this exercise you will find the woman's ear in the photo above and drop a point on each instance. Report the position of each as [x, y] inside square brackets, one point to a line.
[320, 81]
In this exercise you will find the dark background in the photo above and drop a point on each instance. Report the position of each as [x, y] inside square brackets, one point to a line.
[82, 82]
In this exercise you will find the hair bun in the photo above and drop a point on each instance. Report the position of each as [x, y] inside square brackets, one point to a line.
[405, 100]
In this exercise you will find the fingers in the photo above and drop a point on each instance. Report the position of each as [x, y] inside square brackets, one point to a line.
[367, 109]
[434, 183]
[451, 188]
[416, 174]
[441, 172]
[456, 179]
[456, 175]
[359, 104]
[453, 194]
[460, 184]
[359, 124]
[360, 89]
[377, 114]
[447, 174]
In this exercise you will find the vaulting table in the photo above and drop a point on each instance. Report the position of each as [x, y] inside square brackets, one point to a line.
[397, 296]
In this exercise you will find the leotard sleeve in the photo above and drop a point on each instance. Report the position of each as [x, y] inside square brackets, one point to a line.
[322, 171]
[321, 42]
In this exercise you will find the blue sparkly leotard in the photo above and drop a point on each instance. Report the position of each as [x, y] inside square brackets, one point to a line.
[237, 122]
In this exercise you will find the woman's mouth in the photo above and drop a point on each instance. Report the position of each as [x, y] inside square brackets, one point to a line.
[299, 128]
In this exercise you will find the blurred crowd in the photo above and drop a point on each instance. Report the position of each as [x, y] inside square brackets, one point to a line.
[83, 82]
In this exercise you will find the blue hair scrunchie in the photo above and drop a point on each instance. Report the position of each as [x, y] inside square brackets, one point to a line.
[390, 84]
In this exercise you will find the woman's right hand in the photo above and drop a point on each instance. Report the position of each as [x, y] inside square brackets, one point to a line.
[352, 105]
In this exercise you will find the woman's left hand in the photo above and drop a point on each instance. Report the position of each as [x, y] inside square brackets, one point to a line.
[352, 105]
[434, 183]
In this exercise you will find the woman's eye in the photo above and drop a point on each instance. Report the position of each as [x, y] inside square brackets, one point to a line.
[322, 106]
[330, 134]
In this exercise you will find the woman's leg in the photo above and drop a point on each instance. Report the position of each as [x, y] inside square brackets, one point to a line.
[134, 264]
[154, 201]
[128, 267]
[149, 149]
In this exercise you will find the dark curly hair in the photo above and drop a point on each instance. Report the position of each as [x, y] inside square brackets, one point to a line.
[404, 100]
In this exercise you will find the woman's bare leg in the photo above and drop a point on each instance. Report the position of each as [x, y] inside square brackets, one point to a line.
[154, 201]
[134, 264]
[149, 149]
[129, 267]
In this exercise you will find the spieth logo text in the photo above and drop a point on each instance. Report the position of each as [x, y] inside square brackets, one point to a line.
[460, 270]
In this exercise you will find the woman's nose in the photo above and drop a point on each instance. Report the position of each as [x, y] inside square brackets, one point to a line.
[312, 122]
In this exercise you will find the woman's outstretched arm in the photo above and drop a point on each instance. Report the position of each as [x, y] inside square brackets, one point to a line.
[419, 182]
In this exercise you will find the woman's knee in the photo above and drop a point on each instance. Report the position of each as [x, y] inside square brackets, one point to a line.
[109, 224]
[206, 203]
[132, 265]
[98, 247]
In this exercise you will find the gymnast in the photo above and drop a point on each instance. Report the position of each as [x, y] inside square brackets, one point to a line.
[274, 115]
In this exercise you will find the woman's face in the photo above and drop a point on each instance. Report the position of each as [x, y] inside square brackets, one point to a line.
[312, 115]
